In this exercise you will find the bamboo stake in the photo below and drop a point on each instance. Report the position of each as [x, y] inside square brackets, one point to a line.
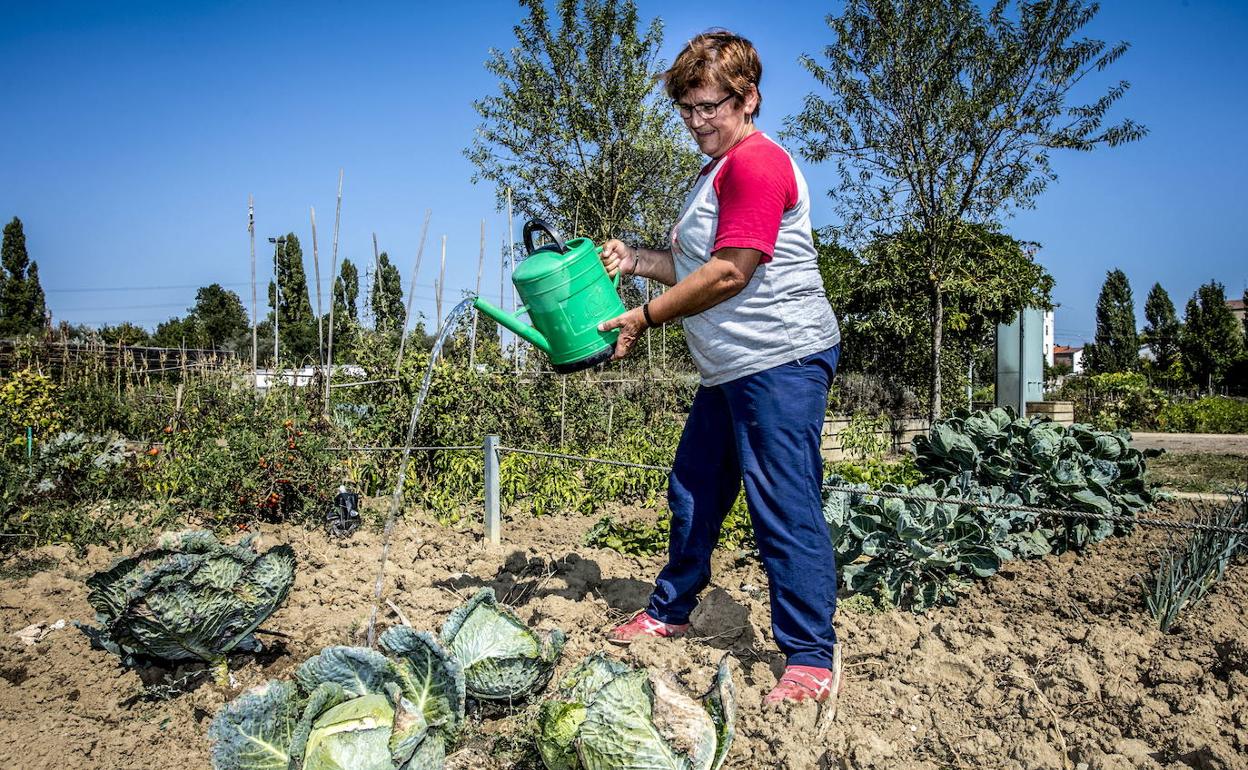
[411, 292]
[511, 251]
[251, 233]
[316, 267]
[441, 283]
[472, 337]
[333, 273]
[376, 277]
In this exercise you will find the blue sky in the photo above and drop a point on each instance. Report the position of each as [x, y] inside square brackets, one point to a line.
[134, 132]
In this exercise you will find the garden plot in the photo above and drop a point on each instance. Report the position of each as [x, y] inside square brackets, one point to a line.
[1050, 663]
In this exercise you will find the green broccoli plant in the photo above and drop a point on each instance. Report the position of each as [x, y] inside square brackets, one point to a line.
[609, 716]
[1076, 468]
[920, 552]
[190, 598]
[350, 708]
[501, 657]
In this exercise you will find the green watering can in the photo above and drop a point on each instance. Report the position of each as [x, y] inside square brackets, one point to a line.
[566, 293]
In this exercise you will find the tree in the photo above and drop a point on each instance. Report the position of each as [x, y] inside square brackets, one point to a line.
[22, 305]
[387, 299]
[222, 318]
[1117, 344]
[296, 325]
[1210, 342]
[346, 310]
[885, 322]
[179, 332]
[578, 132]
[1161, 329]
[939, 114]
[124, 333]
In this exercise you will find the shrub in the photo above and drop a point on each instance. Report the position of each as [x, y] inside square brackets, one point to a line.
[1211, 414]
[1114, 400]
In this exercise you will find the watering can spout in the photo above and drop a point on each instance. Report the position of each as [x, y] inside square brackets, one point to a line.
[514, 324]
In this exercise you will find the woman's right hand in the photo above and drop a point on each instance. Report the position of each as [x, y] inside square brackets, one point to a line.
[617, 256]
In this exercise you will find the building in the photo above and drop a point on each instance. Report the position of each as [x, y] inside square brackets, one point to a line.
[1237, 309]
[1068, 356]
[1048, 338]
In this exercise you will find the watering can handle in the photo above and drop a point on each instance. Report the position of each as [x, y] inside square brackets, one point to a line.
[537, 224]
[615, 281]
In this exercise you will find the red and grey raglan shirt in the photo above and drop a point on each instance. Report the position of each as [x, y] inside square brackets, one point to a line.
[754, 197]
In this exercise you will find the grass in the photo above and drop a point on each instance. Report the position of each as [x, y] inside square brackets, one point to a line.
[1199, 471]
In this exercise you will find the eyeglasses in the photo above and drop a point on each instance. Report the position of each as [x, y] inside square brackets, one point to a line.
[705, 110]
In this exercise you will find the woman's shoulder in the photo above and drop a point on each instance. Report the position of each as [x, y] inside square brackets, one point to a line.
[756, 159]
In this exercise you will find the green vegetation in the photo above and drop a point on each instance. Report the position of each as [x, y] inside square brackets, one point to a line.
[608, 716]
[22, 306]
[189, 598]
[995, 88]
[1185, 571]
[1117, 344]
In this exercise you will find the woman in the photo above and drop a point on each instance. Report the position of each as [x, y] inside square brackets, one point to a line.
[741, 267]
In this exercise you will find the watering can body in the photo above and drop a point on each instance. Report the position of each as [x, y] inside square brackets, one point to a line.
[566, 293]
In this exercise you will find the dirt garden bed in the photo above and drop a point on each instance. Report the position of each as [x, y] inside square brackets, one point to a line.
[1049, 664]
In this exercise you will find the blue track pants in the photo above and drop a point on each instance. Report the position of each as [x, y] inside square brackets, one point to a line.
[765, 429]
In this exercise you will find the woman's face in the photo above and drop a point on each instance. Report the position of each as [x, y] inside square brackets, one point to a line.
[715, 136]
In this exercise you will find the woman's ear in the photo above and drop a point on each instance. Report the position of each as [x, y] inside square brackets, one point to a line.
[751, 102]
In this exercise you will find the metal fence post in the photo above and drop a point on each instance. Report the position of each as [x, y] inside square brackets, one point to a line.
[492, 516]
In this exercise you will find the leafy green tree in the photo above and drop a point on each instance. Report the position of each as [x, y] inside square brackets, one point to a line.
[346, 310]
[577, 131]
[885, 322]
[938, 113]
[296, 324]
[23, 309]
[387, 299]
[1161, 329]
[180, 332]
[1117, 344]
[124, 333]
[347, 291]
[1209, 343]
[220, 314]
[1244, 320]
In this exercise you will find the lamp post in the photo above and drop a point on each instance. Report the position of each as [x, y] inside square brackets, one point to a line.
[277, 293]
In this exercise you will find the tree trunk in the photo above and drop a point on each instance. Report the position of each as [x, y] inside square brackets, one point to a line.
[938, 326]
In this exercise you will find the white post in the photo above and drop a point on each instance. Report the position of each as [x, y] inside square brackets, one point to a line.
[493, 517]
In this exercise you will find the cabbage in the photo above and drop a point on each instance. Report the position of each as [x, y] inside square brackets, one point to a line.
[350, 708]
[191, 597]
[611, 717]
[502, 658]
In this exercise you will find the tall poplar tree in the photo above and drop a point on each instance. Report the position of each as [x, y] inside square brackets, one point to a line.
[22, 304]
[387, 299]
[296, 324]
[1161, 328]
[1117, 343]
[938, 113]
[346, 310]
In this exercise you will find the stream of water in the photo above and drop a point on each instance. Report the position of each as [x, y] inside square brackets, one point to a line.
[396, 498]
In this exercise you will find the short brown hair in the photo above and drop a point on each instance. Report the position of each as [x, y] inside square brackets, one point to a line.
[716, 57]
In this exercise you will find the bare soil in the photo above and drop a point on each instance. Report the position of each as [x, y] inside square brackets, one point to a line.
[1051, 664]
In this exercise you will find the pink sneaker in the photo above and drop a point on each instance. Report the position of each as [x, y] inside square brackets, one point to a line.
[642, 625]
[803, 683]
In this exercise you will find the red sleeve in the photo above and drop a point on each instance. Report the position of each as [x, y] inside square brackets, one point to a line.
[755, 188]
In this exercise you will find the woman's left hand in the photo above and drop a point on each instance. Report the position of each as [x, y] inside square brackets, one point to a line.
[631, 325]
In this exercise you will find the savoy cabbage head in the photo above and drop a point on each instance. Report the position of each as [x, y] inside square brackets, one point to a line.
[189, 598]
[350, 708]
[502, 658]
[611, 717]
